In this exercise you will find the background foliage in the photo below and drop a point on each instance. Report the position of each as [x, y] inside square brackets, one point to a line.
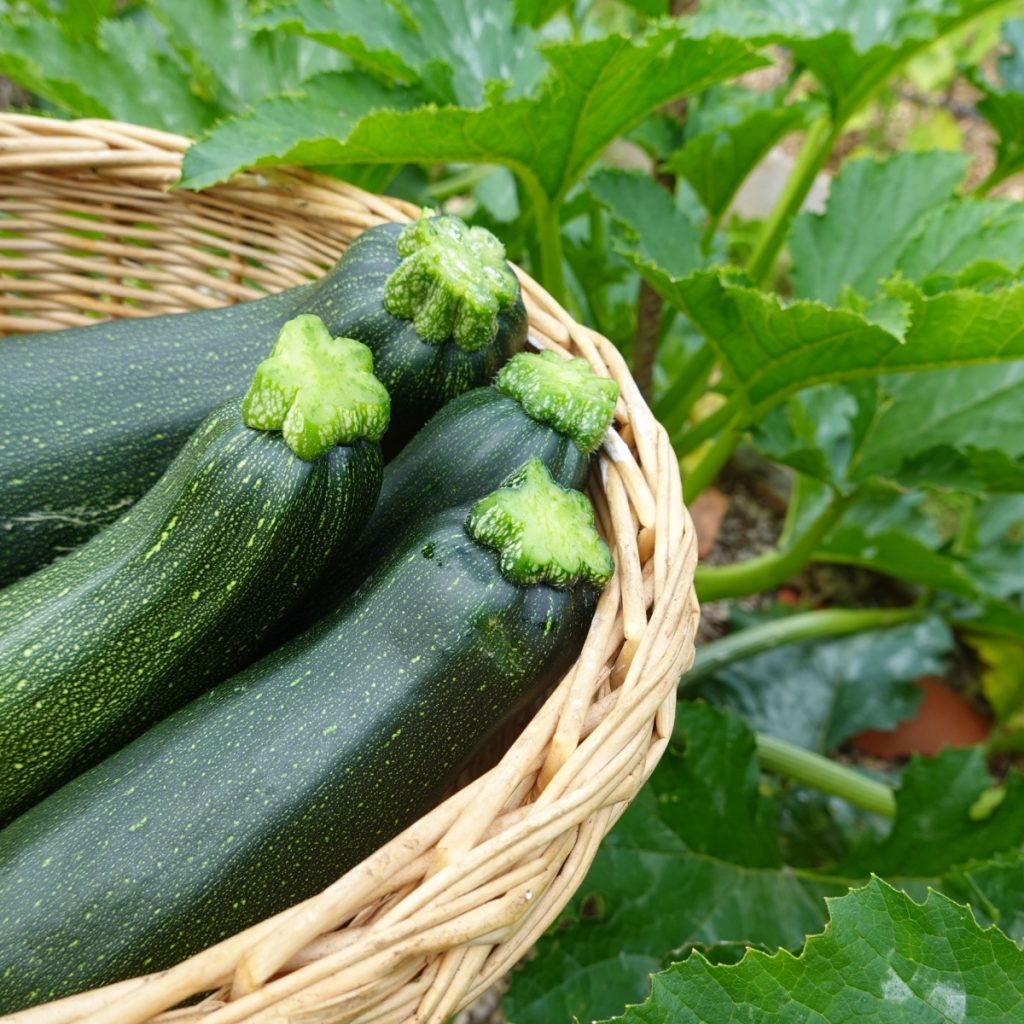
[864, 358]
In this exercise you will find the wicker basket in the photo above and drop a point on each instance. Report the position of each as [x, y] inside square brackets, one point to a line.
[423, 926]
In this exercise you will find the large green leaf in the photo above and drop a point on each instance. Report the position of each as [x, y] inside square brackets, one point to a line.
[966, 242]
[592, 92]
[122, 74]
[961, 429]
[235, 63]
[849, 45]
[816, 695]
[346, 95]
[945, 816]
[926, 235]
[443, 44]
[972, 408]
[872, 207]
[770, 349]
[995, 890]
[660, 232]
[882, 958]
[179, 66]
[693, 861]
[727, 134]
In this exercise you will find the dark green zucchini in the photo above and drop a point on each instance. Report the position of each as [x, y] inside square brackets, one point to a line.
[433, 281]
[93, 415]
[541, 406]
[265, 789]
[176, 594]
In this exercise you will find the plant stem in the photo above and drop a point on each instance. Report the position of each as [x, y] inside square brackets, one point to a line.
[766, 571]
[766, 636]
[549, 238]
[675, 404]
[707, 427]
[825, 775]
[460, 182]
[714, 459]
[989, 182]
[818, 143]
[645, 339]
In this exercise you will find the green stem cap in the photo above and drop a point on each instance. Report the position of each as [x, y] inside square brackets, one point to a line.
[451, 283]
[563, 393]
[317, 390]
[542, 532]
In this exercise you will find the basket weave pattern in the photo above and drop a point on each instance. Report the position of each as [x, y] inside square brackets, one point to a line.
[423, 926]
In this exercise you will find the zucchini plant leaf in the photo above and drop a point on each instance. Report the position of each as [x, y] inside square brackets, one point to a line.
[995, 890]
[728, 131]
[882, 957]
[818, 694]
[850, 245]
[121, 74]
[948, 821]
[178, 65]
[927, 235]
[343, 96]
[961, 429]
[423, 41]
[693, 860]
[660, 232]
[233, 61]
[849, 47]
[592, 92]
[770, 349]
[966, 243]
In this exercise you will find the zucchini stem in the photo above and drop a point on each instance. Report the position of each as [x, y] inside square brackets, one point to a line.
[543, 533]
[825, 775]
[317, 390]
[816, 625]
[715, 582]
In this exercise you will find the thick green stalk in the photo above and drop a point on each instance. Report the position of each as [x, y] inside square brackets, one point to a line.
[460, 182]
[712, 462]
[766, 636]
[673, 407]
[825, 775]
[989, 182]
[766, 571]
[818, 143]
[708, 427]
[549, 240]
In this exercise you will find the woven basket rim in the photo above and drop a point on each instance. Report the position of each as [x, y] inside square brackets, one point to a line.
[425, 924]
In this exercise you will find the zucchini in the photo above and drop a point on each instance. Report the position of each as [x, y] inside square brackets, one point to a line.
[541, 406]
[93, 415]
[265, 789]
[175, 595]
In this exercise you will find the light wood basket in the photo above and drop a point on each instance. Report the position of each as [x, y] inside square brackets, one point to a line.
[88, 228]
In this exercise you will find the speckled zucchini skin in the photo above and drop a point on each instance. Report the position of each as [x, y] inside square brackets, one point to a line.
[464, 452]
[170, 599]
[268, 787]
[93, 415]
[420, 377]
